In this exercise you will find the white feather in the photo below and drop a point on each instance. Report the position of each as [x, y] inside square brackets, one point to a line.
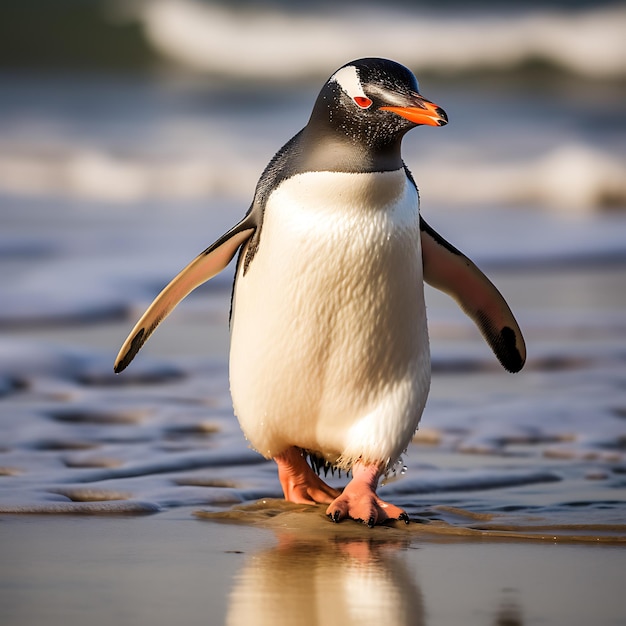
[329, 347]
[348, 79]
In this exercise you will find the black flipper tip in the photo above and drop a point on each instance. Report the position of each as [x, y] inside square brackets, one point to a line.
[508, 353]
[504, 343]
[135, 345]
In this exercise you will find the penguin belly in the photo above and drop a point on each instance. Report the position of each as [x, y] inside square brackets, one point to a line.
[329, 345]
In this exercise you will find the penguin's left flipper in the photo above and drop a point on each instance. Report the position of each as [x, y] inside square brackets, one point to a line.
[204, 267]
[450, 271]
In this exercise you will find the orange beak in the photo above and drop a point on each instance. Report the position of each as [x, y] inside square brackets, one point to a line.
[423, 112]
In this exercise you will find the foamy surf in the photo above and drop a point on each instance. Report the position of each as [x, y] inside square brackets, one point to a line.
[284, 45]
[570, 178]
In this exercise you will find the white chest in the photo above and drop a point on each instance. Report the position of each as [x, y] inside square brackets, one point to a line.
[329, 324]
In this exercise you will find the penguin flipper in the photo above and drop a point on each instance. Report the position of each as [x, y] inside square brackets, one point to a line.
[204, 267]
[450, 271]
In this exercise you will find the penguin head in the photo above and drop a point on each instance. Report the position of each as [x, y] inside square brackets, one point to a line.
[371, 104]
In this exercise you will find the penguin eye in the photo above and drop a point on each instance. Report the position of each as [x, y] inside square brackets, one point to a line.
[363, 102]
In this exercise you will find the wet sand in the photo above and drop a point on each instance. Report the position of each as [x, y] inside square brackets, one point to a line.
[294, 567]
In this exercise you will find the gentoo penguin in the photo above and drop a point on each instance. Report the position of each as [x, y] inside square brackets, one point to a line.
[329, 354]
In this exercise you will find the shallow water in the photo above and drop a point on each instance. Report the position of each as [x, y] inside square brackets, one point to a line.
[547, 443]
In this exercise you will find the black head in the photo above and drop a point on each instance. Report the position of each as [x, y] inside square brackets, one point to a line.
[369, 105]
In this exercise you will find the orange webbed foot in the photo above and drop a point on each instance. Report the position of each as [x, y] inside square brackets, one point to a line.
[360, 502]
[299, 482]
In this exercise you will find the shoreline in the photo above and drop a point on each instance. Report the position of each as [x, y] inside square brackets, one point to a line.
[289, 570]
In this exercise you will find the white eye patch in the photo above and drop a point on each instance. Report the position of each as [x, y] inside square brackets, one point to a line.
[348, 79]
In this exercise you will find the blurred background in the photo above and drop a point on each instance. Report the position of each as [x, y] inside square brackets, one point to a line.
[132, 134]
[113, 100]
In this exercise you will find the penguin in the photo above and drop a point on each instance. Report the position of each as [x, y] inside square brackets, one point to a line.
[329, 356]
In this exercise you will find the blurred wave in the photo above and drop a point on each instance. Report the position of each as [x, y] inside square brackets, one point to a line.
[219, 39]
[534, 91]
[571, 177]
[286, 41]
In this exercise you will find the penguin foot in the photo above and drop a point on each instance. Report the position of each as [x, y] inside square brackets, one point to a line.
[299, 482]
[359, 501]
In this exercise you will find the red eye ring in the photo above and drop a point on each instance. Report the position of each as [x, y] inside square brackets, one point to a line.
[363, 102]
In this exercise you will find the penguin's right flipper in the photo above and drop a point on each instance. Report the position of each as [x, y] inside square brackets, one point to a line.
[204, 267]
[450, 271]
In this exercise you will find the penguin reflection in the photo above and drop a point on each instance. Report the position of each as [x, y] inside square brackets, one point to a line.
[309, 582]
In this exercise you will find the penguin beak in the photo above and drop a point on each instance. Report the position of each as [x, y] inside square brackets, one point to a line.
[420, 111]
